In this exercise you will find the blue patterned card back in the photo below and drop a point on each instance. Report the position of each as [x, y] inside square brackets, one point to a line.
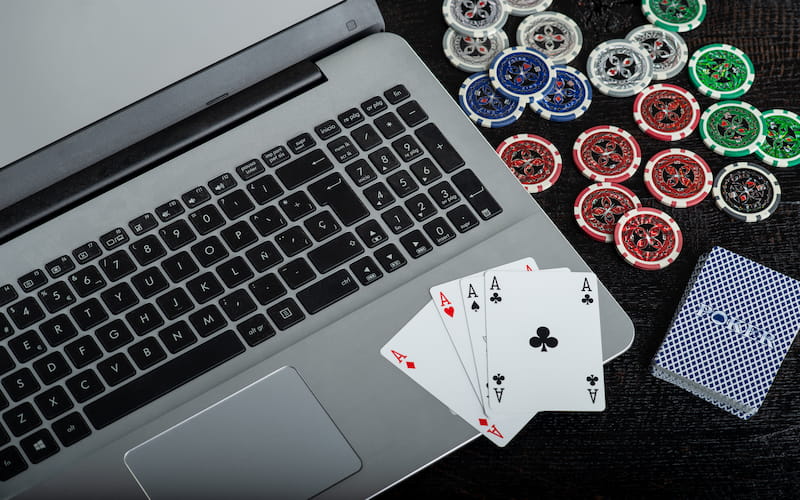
[730, 335]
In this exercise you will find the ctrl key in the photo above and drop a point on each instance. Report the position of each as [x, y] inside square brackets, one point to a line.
[11, 463]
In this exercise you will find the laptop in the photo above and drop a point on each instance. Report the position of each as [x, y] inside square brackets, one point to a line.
[214, 215]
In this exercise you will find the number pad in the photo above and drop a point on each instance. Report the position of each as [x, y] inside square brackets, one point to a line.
[397, 220]
[361, 172]
[378, 195]
[425, 171]
[384, 160]
[444, 195]
[407, 148]
[421, 207]
[402, 183]
[439, 231]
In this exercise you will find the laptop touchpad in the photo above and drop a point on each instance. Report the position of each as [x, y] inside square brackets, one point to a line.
[271, 439]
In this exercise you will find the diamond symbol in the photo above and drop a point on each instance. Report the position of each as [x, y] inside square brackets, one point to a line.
[411, 365]
[483, 421]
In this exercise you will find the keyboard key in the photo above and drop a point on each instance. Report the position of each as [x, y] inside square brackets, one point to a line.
[390, 258]
[147, 250]
[441, 150]
[275, 156]
[175, 303]
[26, 346]
[56, 297]
[32, 280]
[222, 184]
[169, 210]
[252, 168]
[114, 238]
[196, 197]
[293, 241]
[88, 314]
[142, 224]
[366, 270]
[116, 369]
[327, 130]
[384, 160]
[407, 148]
[371, 233]
[236, 204]
[351, 117]
[234, 272]
[86, 281]
[52, 368]
[416, 244]
[255, 330]
[285, 314]
[20, 384]
[379, 195]
[333, 192]
[119, 298]
[179, 267]
[397, 219]
[206, 219]
[327, 291]
[84, 386]
[149, 282]
[396, 94]
[421, 207]
[39, 446]
[412, 113]
[83, 351]
[301, 143]
[443, 194]
[7, 294]
[6, 363]
[114, 335]
[402, 183]
[267, 221]
[58, 330]
[296, 205]
[264, 256]
[296, 273]
[87, 252]
[204, 288]
[152, 385]
[207, 320]
[11, 463]
[307, 167]
[342, 149]
[462, 218]
[239, 236]
[267, 289]
[389, 125]
[373, 106]
[117, 265]
[264, 189]
[22, 419]
[25, 313]
[361, 172]
[147, 353]
[71, 429]
[144, 319]
[209, 251]
[237, 305]
[53, 402]
[177, 234]
[322, 226]
[439, 231]
[336, 252]
[366, 137]
[482, 202]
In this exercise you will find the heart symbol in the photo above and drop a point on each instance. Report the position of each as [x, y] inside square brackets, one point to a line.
[450, 311]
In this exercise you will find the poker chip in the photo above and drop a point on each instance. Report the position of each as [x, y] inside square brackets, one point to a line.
[781, 146]
[678, 178]
[680, 16]
[607, 154]
[619, 68]
[567, 98]
[475, 18]
[746, 191]
[648, 238]
[721, 71]
[732, 128]
[667, 49]
[666, 112]
[472, 54]
[525, 7]
[533, 160]
[485, 106]
[522, 73]
[553, 34]
[599, 207]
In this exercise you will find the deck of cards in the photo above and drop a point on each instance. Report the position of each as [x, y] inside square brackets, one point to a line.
[499, 346]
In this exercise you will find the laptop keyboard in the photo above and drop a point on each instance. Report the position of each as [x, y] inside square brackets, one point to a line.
[116, 323]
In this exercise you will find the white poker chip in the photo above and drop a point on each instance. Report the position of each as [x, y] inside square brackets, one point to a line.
[472, 54]
[533, 160]
[619, 68]
[476, 18]
[553, 34]
[667, 49]
[526, 7]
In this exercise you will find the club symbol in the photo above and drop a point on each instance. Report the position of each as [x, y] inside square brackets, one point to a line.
[496, 298]
[498, 379]
[592, 379]
[587, 299]
[543, 339]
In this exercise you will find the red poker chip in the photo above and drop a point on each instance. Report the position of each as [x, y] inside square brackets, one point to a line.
[666, 112]
[600, 206]
[607, 154]
[533, 160]
[648, 238]
[678, 178]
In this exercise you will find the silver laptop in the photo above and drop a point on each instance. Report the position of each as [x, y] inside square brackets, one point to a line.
[214, 215]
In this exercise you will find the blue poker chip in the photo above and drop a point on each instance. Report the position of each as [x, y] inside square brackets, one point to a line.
[567, 98]
[485, 105]
[522, 73]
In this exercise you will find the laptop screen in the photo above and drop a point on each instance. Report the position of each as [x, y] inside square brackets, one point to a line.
[66, 65]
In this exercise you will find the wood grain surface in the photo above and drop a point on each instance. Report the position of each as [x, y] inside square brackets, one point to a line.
[654, 440]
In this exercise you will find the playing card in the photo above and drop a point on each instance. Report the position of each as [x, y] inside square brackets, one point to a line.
[543, 342]
[423, 351]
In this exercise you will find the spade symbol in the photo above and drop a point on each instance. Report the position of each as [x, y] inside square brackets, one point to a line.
[475, 306]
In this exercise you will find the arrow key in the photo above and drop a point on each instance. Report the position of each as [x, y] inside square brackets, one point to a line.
[366, 270]
[416, 244]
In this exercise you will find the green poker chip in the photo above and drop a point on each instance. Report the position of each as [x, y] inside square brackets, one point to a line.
[781, 146]
[732, 128]
[683, 15]
[721, 71]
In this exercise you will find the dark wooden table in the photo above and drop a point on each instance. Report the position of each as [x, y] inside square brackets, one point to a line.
[654, 440]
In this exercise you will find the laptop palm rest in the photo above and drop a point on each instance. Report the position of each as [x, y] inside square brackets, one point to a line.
[272, 439]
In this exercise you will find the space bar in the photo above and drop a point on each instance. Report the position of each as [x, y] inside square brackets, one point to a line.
[152, 385]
